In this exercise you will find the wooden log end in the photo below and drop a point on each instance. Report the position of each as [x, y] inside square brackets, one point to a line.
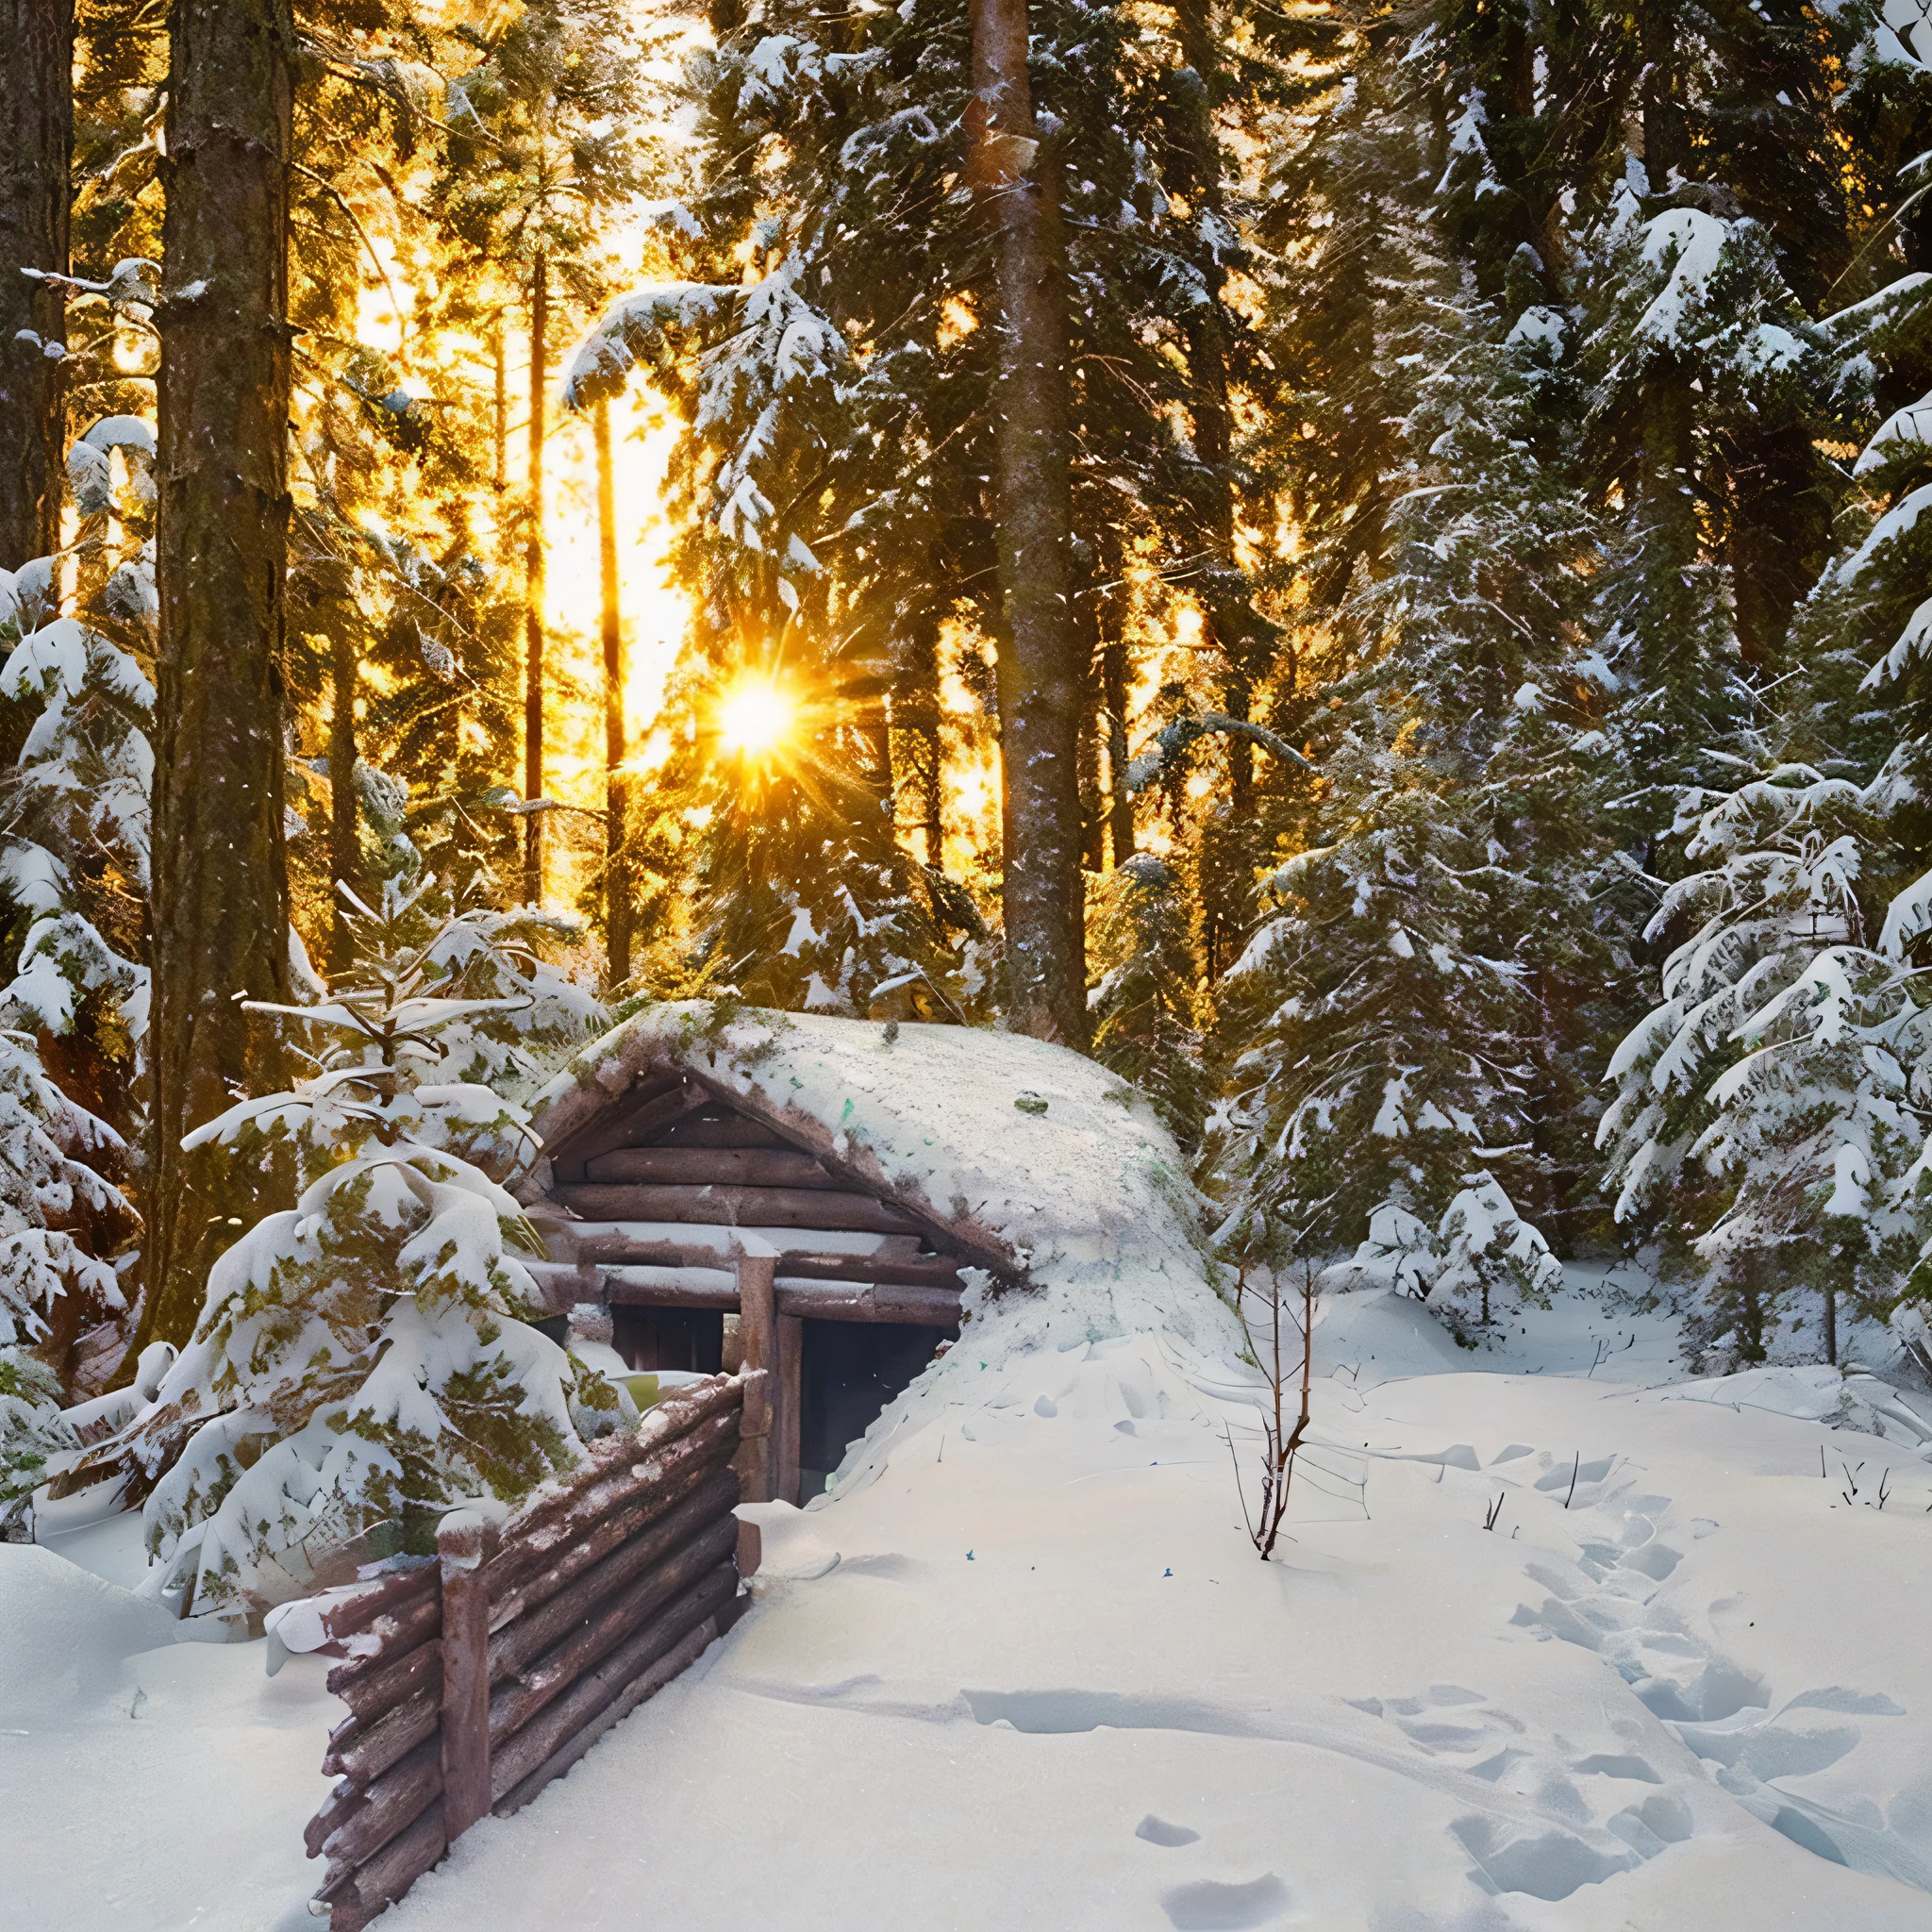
[385, 1878]
[388, 1806]
[386, 1742]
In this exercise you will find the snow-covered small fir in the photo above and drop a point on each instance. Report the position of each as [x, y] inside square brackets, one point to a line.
[365, 1360]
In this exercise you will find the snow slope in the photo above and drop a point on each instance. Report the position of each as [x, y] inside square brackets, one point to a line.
[1023, 1669]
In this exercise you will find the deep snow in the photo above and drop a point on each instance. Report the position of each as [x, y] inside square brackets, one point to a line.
[1023, 1669]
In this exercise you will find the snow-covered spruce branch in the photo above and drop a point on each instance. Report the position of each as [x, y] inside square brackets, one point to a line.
[639, 328]
[1172, 740]
[365, 1360]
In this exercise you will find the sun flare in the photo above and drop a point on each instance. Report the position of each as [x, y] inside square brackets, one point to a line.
[755, 717]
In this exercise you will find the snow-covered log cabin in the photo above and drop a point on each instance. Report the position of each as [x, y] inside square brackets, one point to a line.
[830, 1198]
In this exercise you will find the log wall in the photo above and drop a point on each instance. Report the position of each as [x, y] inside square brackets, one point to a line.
[476, 1677]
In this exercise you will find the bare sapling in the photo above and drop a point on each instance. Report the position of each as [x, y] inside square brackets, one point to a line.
[1281, 1434]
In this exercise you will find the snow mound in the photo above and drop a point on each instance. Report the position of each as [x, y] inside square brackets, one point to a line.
[67, 1631]
[1033, 1155]
[1806, 1394]
[1818, 1394]
[1377, 1334]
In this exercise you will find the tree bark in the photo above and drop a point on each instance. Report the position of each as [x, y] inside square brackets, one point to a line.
[1040, 681]
[1086, 652]
[533, 589]
[1113, 699]
[36, 153]
[344, 839]
[916, 719]
[499, 443]
[221, 891]
[1227, 621]
[616, 829]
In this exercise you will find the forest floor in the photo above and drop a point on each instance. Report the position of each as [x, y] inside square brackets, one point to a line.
[1031, 1673]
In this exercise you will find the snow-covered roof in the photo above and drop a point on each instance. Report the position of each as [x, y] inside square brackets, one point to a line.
[1029, 1155]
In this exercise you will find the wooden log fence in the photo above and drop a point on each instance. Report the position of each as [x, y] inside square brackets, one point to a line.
[477, 1676]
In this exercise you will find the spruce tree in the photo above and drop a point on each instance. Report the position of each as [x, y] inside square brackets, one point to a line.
[1389, 1029]
[1771, 1107]
[365, 1360]
[1145, 1008]
[540, 146]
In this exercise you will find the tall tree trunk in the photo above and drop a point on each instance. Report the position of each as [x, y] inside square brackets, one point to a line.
[616, 828]
[344, 830]
[1113, 693]
[499, 351]
[36, 153]
[1110, 611]
[221, 891]
[1092, 782]
[533, 588]
[1039, 681]
[1227, 623]
[916, 712]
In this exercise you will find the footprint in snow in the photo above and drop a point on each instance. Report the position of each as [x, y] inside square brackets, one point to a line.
[1209, 1906]
[1157, 1831]
[1546, 1835]
[1608, 1602]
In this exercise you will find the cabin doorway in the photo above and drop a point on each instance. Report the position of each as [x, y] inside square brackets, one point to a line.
[848, 1372]
[653, 1339]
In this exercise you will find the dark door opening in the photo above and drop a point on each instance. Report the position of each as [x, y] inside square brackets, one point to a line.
[848, 1373]
[689, 1339]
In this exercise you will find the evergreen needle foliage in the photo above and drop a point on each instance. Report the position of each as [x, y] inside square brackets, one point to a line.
[365, 1360]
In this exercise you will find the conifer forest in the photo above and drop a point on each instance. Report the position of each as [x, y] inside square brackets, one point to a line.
[1357, 563]
[1220, 666]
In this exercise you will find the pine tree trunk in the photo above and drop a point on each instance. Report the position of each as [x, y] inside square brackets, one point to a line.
[1113, 695]
[1093, 780]
[1040, 681]
[344, 831]
[616, 866]
[916, 712]
[499, 351]
[533, 588]
[36, 153]
[1226, 620]
[221, 892]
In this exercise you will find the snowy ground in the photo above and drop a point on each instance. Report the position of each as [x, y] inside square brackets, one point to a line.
[1031, 1673]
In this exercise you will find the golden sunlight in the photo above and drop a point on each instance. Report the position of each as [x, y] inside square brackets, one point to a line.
[755, 716]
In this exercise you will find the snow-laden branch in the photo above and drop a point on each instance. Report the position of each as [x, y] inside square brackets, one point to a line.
[1171, 741]
[637, 329]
